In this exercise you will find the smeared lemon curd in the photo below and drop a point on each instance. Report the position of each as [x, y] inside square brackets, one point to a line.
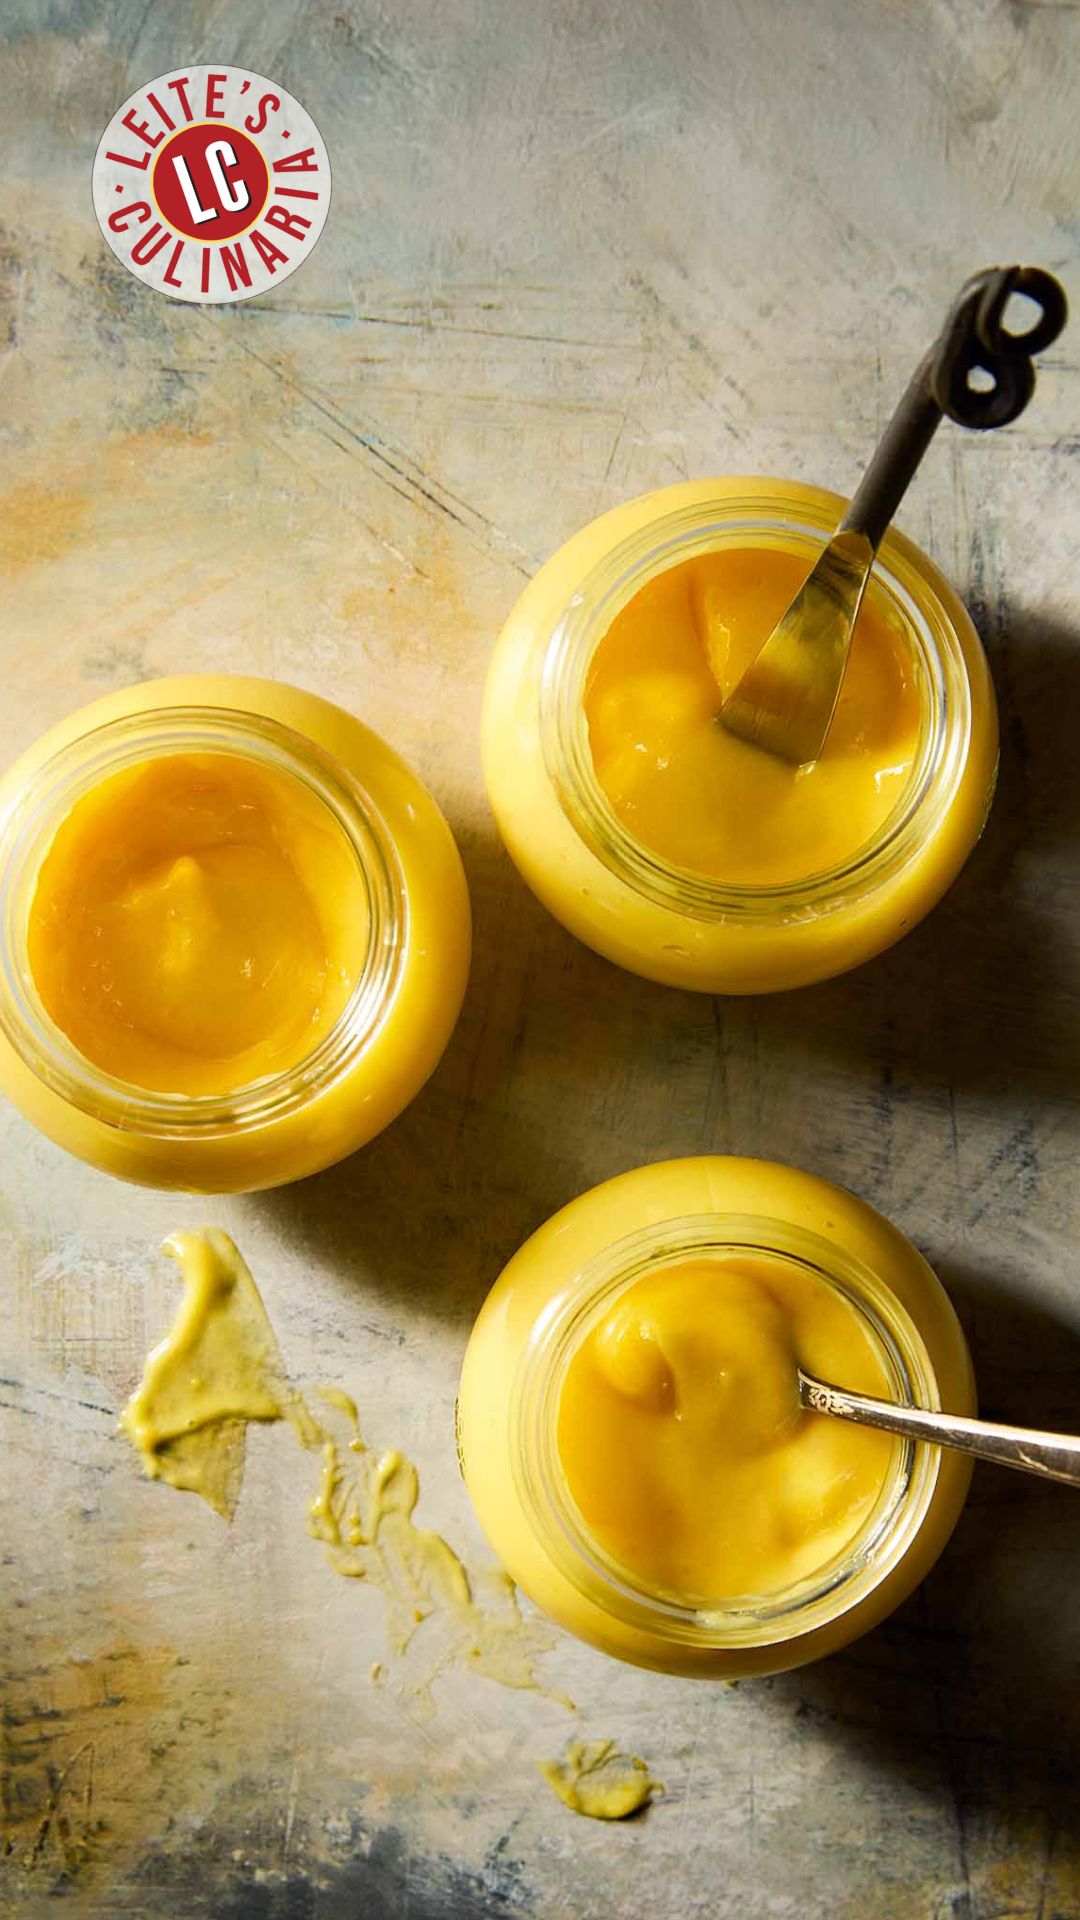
[220, 1369]
[199, 922]
[216, 1373]
[596, 1778]
[682, 1441]
[693, 793]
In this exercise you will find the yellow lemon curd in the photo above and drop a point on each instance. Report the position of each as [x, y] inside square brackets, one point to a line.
[669, 846]
[692, 792]
[595, 1778]
[199, 922]
[237, 933]
[218, 1370]
[683, 1443]
[630, 1432]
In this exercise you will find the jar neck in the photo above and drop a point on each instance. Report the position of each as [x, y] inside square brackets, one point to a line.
[569, 1319]
[26, 833]
[802, 525]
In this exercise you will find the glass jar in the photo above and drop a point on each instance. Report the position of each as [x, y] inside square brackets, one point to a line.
[624, 900]
[569, 1275]
[409, 983]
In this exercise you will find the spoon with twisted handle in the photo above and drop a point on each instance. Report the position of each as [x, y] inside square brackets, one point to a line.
[1055, 1456]
[786, 699]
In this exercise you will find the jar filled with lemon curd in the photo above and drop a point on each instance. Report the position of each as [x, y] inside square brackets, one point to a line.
[679, 851]
[234, 930]
[630, 1432]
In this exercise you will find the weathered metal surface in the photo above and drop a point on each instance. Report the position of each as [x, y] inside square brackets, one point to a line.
[575, 251]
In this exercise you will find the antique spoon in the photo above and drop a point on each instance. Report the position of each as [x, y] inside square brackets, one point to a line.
[1055, 1456]
[787, 696]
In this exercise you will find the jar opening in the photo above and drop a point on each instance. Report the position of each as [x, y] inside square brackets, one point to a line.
[27, 832]
[734, 1620]
[685, 534]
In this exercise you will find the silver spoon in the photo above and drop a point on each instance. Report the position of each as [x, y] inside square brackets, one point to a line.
[1055, 1456]
[786, 699]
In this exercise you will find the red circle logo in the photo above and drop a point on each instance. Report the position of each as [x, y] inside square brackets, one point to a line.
[210, 182]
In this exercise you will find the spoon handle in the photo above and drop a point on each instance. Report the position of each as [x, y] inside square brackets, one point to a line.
[974, 338]
[895, 459]
[1055, 1456]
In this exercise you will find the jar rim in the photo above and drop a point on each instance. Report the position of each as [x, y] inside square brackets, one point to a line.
[742, 1621]
[27, 828]
[806, 518]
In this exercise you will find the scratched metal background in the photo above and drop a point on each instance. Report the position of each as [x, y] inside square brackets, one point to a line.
[576, 250]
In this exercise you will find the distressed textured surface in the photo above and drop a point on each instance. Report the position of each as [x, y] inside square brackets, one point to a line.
[575, 250]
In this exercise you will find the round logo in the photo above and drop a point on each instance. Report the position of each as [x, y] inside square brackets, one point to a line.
[211, 184]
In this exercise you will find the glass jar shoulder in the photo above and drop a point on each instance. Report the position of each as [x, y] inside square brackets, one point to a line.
[725, 1186]
[412, 819]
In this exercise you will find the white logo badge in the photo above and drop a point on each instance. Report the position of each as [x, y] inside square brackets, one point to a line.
[211, 184]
